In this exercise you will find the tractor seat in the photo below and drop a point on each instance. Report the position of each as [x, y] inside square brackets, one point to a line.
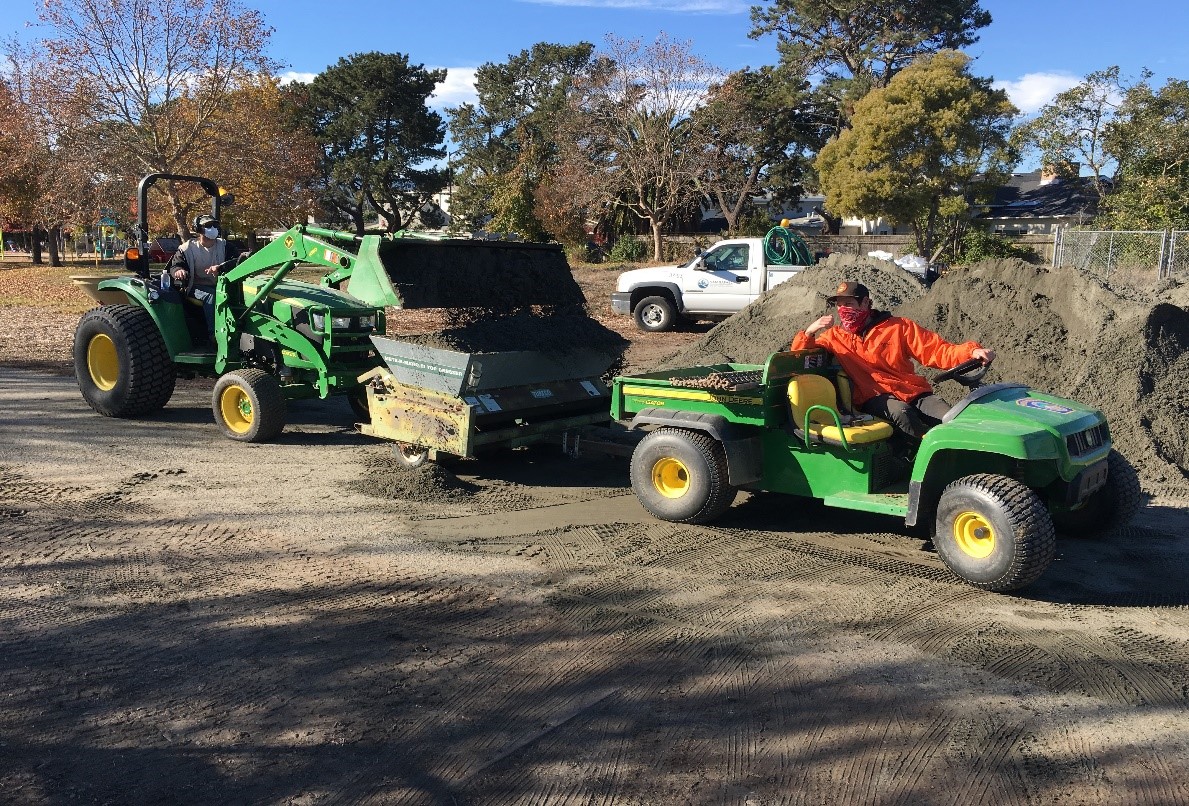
[806, 391]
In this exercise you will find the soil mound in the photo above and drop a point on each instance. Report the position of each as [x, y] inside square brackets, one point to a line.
[1055, 329]
[429, 484]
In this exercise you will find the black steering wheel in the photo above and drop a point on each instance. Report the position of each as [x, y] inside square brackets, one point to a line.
[968, 373]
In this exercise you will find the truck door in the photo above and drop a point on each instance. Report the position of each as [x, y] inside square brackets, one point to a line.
[728, 282]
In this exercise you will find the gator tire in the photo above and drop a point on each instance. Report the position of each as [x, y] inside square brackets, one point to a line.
[681, 476]
[655, 314]
[993, 532]
[121, 361]
[249, 405]
[1109, 508]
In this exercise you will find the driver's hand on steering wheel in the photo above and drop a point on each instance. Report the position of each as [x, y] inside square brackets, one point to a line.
[984, 355]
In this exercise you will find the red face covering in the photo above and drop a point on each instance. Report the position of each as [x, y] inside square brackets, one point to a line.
[853, 319]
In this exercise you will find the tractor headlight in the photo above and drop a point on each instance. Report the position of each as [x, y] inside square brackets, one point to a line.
[318, 321]
[367, 322]
[340, 323]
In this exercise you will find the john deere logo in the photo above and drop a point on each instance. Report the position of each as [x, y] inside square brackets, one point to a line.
[288, 241]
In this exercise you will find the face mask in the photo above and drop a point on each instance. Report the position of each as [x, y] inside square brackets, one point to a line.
[853, 319]
[211, 232]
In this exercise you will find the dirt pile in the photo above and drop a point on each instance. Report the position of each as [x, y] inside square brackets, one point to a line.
[1121, 350]
[431, 483]
[554, 330]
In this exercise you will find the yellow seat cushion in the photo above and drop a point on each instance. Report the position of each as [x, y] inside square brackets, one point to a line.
[806, 391]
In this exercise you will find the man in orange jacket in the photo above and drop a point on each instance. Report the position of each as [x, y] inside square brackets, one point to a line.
[877, 349]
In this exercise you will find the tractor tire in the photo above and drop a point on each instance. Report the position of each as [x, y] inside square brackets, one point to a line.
[993, 532]
[121, 361]
[357, 398]
[249, 405]
[655, 314]
[1108, 509]
[681, 476]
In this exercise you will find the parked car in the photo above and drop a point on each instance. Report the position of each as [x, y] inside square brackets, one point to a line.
[161, 249]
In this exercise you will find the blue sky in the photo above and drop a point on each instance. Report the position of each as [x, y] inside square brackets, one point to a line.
[1035, 48]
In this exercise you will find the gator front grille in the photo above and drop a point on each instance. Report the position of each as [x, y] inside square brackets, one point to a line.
[1086, 441]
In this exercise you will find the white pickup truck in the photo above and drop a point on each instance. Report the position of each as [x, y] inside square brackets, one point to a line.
[714, 285]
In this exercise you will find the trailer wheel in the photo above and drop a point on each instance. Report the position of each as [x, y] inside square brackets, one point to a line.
[357, 398]
[993, 532]
[655, 314]
[249, 405]
[410, 456]
[681, 476]
[1109, 508]
[121, 361]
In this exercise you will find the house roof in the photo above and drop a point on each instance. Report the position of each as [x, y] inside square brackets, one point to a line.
[1026, 197]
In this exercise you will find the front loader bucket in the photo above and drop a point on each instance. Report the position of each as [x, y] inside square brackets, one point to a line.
[457, 273]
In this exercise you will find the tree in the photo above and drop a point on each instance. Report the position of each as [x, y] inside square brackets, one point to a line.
[1071, 130]
[507, 142]
[761, 128]
[921, 149]
[125, 68]
[378, 138]
[1150, 139]
[629, 140]
[853, 46]
[52, 183]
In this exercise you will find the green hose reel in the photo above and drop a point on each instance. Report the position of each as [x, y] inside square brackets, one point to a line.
[783, 247]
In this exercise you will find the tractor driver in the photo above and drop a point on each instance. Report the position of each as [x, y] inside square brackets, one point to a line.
[877, 349]
[202, 257]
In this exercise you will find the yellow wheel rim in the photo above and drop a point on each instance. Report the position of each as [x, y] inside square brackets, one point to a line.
[670, 477]
[974, 535]
[103, 363]
[236, 407]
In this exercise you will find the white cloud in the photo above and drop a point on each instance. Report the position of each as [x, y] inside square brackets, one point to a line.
[1033, 90]
[290, 76]
[684, 6]
[458, 88]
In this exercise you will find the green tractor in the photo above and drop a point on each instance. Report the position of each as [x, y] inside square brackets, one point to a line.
[275, 339]
[1007, 466]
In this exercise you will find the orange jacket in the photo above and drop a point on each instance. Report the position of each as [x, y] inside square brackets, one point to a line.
[880, 360]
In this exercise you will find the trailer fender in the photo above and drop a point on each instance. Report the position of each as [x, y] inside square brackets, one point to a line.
[743, 449]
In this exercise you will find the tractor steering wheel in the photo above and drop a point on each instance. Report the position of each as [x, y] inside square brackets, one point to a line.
[968, 373]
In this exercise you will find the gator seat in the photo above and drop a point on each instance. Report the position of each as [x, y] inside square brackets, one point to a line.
[806, 391]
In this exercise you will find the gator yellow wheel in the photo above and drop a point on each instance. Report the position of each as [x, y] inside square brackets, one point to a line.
[974, 535]
[121, 361]
[249, 405]
[670, 477]
[993, 532]
[680, 475]
[103, 363]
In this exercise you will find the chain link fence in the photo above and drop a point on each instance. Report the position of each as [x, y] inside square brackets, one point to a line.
[1138, 255]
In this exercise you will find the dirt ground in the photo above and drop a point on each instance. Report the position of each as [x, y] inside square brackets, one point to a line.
[191, 620]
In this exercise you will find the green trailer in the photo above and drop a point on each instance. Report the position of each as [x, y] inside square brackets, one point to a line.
[1007, 466]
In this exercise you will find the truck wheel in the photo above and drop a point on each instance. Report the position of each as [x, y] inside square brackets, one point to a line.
[993, 532]
[655, 314]
[121, 361]
[1109, 508]
[249, 405]
[681, 476]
